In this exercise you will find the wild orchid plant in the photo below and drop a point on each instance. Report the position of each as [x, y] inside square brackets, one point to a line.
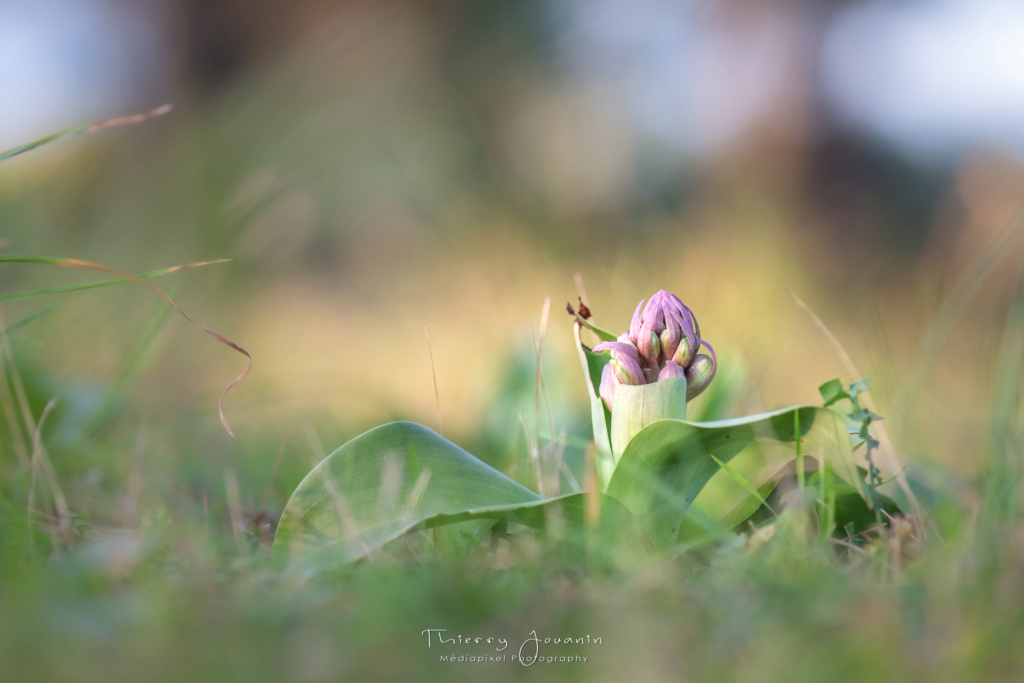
[653, 466]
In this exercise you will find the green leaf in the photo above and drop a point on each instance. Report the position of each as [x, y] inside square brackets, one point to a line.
[743, 483]
[637, 406]
[858, 387]
[401, 477]
[603, 335]
[725, 504]
[860, 415]
[746, 506]
[29, 318]
[600, 418]
[667, 464]
[832, 391]
[851, 511]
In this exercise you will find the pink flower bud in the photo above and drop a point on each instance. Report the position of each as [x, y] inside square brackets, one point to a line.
[625, 361]
[671, 369]
[662, 342]
[700, 373]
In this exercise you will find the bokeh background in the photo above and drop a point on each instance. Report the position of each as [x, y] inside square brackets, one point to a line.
[383, 171]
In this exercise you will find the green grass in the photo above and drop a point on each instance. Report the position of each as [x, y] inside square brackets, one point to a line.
[193, 606]
[165, 574]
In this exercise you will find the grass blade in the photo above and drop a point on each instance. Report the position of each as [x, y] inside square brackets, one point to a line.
[31, 294]
[86, 129]
[742, 481]
[27, 319]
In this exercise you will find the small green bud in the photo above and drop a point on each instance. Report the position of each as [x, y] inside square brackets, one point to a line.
[621, 373]
[684, 353]
[670, 341]
[655, 345]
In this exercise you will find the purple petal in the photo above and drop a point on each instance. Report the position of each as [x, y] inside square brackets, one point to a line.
[688, 324]
[714, 358]
[628, 358]
[634, 326]
[674, 300]
[648, 342]
[693, 321]
[619, 347]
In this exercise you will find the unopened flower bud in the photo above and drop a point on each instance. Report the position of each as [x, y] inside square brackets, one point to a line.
[672, 322]
[627, 358]
[700, 373]
[649, 344]
[655, 347]
[670, 340]
[622, 374]
[662, 342]
[684, 353]
[671, 369]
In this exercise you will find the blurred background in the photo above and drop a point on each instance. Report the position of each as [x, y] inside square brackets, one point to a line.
[378, 172]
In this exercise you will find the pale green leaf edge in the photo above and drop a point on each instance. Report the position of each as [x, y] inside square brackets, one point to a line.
[311, 497]
[660, 474]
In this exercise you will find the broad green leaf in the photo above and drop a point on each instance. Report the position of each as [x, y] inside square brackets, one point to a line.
[400, 477]
[666, 466]
[644, 404]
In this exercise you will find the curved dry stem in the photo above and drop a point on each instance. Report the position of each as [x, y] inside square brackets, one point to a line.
[79, 263]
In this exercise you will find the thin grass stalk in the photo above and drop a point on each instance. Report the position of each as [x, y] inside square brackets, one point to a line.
[78, 263]
[235, 510]
[538, 452]
[1006, 468]
[887, 449]
[10, 411]
[86, 129]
